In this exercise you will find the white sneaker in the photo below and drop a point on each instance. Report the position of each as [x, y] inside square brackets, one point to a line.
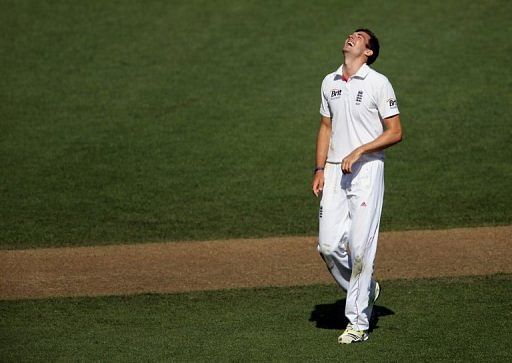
[352, 336]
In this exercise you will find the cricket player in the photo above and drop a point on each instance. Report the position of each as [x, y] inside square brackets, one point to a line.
[359, 119]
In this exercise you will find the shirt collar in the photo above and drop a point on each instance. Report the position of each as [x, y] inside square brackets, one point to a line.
[362, 72]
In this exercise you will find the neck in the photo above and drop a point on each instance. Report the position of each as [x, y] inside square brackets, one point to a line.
[352, 65]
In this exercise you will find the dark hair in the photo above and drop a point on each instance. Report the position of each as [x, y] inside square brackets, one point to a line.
[373, 44]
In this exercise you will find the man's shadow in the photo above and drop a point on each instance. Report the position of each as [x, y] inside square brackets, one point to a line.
[332, 316]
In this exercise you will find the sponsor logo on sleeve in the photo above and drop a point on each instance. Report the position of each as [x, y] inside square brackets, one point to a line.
[392, 103]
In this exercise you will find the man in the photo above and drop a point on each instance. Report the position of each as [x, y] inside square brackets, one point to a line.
[359, 119]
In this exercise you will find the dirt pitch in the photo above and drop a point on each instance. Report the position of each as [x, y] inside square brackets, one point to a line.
[211, 265]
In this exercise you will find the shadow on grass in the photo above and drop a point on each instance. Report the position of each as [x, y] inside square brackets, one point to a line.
[332, 316]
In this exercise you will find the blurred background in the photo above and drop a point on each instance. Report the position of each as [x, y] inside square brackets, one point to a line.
[137, 121]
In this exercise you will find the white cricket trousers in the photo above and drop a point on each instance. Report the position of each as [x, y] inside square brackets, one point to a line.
[349, 220]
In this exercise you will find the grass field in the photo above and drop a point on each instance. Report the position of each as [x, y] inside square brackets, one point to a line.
[143, 121]
[134, 121]
[464, 319]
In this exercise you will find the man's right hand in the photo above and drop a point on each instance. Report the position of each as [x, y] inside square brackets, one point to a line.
[318, 182]
[322, 147]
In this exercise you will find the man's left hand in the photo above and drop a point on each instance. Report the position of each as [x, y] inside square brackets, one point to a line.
[349, 160]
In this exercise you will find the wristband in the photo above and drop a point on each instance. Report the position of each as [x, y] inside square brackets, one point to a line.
[318, 168]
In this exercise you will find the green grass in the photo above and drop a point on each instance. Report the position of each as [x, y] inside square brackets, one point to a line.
[462, 319]
[179, 120]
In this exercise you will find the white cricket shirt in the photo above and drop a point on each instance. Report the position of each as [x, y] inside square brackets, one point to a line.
[356, 108]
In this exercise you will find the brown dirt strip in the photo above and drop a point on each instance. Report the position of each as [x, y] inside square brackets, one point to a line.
[211, 265]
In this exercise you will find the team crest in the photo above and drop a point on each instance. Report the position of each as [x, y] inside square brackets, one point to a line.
[359, 97]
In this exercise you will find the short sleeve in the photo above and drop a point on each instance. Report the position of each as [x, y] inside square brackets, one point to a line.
[386, 102]
[324, 105]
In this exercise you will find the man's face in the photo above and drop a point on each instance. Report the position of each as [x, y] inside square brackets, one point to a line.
[357, 44]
